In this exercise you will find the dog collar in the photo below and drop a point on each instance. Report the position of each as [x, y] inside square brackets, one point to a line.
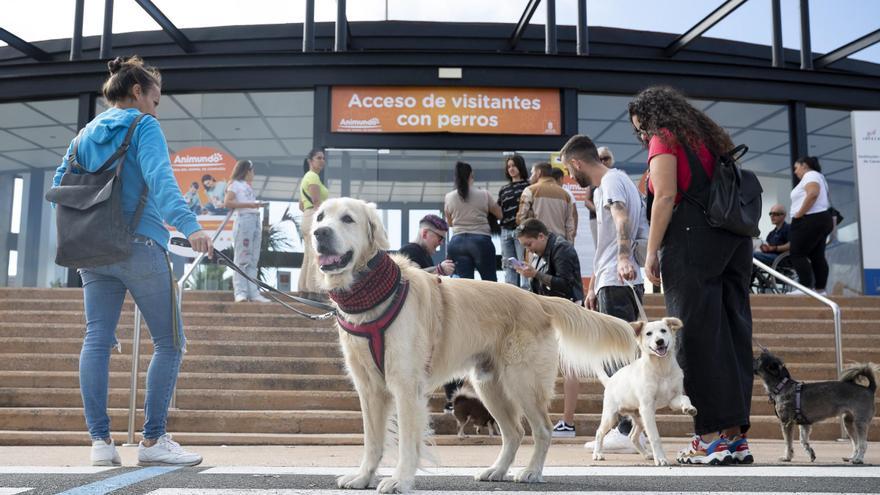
[374, 331]
[372, 286]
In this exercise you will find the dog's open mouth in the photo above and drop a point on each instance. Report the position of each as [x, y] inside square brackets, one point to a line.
[660, 350]
[330, 262]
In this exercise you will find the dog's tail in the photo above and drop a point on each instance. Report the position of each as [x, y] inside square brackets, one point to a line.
[588, 341]
[868, 371]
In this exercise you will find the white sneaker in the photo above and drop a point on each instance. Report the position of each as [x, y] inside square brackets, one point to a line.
[166, 452]
[240, 298]
[617, 443]
[563, 430]
[104, 454]
[260, 299]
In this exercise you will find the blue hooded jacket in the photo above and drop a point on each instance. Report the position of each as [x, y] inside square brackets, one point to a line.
[146, 165]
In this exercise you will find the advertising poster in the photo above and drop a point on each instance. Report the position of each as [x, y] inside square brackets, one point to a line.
[202, 174]
[583, 242]
[378, 109]
[866, 148]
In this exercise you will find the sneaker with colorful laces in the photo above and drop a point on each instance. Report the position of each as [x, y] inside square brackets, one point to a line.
[700, 452]
[738, 446]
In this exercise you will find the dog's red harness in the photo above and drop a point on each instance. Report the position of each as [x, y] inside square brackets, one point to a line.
[373, 286]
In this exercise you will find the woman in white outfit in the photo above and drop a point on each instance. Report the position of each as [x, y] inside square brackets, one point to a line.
[246, 231]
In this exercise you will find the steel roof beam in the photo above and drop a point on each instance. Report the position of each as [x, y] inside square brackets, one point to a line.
[523, 22]
[847, 50]
[182, 41]
[701, 27]
[23, 46]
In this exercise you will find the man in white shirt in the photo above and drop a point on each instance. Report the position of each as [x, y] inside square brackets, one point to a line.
[620, 214]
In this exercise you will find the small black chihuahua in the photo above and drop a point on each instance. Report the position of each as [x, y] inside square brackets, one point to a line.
[805, 403]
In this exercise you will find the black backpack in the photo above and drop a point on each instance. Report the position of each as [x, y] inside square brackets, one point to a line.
[91, 228]
[734, 194]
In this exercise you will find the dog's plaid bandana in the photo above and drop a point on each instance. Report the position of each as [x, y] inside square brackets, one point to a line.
[373, 286]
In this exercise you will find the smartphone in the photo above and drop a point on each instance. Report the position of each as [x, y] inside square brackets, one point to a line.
[516, 263]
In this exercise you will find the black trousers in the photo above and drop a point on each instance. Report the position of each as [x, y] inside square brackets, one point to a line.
[808, 235]
[620, 301]
[706, 273]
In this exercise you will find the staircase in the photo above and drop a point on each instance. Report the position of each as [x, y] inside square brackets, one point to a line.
[258, 374]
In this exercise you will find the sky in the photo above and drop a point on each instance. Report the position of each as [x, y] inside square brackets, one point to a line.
[834, 22]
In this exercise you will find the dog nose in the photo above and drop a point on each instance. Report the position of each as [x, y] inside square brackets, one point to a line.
[660, 341]
[323, 233]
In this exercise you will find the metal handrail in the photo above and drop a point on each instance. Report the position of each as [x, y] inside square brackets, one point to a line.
[835, 310]
[136, 342]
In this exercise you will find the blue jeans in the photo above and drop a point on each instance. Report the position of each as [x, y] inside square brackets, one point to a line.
[473, 251]
[146, 275]
[511, 248]
[766, 258]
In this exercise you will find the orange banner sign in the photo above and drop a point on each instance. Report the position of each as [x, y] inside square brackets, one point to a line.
[202, 174]
[445, 109]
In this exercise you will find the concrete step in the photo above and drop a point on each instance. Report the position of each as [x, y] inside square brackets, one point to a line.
[772, 300]
[187, 380]
[296, 350]
[199, 319]
[273, 400]
[344, 422]
[198, 364]
[290, 319]
[189, 306]
[16, 345]
[194, 333]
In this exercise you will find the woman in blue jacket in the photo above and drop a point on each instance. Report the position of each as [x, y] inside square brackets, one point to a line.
[134, 89]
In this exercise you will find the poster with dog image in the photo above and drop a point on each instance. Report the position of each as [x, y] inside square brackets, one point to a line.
[202, 174]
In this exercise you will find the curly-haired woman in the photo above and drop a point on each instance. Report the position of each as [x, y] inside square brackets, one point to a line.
[705, 272]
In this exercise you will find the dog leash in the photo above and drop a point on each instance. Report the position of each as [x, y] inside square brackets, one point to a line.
[268, 289]
[642, 315]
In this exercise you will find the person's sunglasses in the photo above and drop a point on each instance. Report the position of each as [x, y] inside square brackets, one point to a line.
[776, 214]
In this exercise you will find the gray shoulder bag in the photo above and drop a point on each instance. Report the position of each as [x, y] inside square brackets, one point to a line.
[91, 227]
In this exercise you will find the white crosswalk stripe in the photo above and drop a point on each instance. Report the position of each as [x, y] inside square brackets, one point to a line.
[672, 471]
[54, 469]
[13, 491]
[251, 491]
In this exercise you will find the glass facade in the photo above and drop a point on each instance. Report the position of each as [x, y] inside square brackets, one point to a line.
[276, 130]
[829, 138]
[34, 136]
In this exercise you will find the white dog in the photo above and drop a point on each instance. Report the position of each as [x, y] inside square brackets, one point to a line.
[404, 332]
[652, 382]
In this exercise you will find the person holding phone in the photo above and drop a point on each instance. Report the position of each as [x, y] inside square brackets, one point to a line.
[247, 230]
[556, 271]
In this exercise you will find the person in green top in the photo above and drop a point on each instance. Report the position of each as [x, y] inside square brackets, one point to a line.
[312, 194]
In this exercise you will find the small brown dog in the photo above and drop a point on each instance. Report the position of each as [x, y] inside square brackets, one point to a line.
[467, 409]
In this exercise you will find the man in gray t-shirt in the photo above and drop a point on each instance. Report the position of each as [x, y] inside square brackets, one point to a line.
[620, 216]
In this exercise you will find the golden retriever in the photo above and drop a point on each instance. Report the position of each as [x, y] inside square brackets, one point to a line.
[507, 340]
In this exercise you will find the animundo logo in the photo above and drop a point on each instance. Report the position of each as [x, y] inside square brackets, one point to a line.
[360, 125]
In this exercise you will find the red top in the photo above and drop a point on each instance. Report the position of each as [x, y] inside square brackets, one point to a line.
[682, 170]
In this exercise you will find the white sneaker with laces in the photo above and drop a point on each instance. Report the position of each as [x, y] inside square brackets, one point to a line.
[104, 454]
[563, 430]
[166, 452]
[240, 298]
[617, 443]
[260, 299]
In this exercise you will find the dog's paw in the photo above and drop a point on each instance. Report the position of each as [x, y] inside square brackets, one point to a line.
[857, 461]
[661, 461]
[393, 485]
[491, 474]
[598, 456]
[528, 476]
[649, 456]
[812, 454]
[356, 481]
[689, 410]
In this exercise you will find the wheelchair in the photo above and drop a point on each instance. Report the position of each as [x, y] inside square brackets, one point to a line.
[764, 283]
